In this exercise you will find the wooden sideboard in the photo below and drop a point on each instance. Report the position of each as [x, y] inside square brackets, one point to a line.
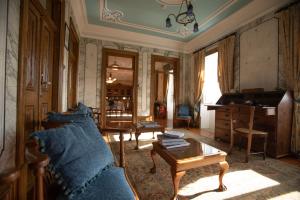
[273, 114]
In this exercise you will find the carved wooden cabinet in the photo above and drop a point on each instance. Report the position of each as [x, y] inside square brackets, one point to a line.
[273, 114]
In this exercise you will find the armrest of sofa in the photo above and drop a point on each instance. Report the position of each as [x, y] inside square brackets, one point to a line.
[37, 162]
[8, 183]
[121, 132]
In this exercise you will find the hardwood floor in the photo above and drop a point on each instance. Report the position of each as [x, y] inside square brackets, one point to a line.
[288, 159]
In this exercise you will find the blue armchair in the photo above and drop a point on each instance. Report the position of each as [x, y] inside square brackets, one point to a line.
[183, 113]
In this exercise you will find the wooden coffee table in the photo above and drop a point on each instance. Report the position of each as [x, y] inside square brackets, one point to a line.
[197, 154]
[138, 130]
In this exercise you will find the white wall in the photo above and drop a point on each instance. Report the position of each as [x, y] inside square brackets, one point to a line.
[259, 56]
[7, 159]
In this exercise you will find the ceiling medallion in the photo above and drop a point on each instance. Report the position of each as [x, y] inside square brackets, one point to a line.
[184, 17]
[112, 16]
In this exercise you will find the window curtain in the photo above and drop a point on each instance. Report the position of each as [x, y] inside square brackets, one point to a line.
[199, 67]
[225, 63]
[289, 33]
[166, 86]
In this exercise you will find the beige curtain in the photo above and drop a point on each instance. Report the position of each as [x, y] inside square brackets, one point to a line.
[199, 67]
[289, 33]
[225, 63]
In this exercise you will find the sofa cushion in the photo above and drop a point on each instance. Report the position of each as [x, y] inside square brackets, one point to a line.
[69, 117]
[83, 109]
[76, 157]
[183, 110]
[110, 185]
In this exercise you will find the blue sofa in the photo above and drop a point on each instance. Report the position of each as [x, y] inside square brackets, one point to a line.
[81, 161]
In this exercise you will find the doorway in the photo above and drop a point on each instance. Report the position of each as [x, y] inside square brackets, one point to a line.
[119, 87]
[164, 89]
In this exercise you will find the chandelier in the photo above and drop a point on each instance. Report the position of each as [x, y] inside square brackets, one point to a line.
[115, 66]
[110, 79]
[184, 17]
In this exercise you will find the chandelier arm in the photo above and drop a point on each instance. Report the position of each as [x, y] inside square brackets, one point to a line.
[172, 15]
[195, 17]
[181, 6]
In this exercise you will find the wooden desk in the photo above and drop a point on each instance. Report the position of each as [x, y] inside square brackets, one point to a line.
[266, 110]
[273, 116]
[181, 159]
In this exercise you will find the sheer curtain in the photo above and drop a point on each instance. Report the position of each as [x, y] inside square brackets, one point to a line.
[170, 100]
[199, 70]
[289, 33]
[211, 91]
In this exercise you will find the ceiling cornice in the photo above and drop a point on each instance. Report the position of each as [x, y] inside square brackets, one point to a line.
[128, 37]
[250, 12]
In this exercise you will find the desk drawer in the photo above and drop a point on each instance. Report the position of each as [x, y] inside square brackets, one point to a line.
[223, 134]
[224, 124]
[222, 115]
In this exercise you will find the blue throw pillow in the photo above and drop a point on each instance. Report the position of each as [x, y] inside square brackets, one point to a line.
[76, 158]
[83, 109]
[69, 117]
[183, 110]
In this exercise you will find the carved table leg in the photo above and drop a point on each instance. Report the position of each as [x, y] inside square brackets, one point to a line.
[153, 169]
[122, 152]
[176, 176]
[223, 168]
[153, 136]
[130, 136]
[137, 134]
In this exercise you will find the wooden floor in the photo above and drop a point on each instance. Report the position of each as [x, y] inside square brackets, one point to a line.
[287, 159]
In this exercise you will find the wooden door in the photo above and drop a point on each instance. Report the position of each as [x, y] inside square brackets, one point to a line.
[45, 75]
[31, 72]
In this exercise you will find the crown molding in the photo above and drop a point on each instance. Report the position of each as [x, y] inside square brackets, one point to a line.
[250, 12]
[133, 38]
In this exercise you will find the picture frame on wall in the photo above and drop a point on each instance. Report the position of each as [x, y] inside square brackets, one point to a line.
[67, 35]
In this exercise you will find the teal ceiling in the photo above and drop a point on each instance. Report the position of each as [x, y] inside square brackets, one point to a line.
[148, 16]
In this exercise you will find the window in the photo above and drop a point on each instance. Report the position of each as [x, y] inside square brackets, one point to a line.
[211, 91]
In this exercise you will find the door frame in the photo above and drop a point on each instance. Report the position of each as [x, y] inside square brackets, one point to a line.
[176, 63]
[75, 72]
[120, 53]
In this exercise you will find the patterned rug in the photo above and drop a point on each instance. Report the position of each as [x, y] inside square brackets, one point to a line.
[258, 179]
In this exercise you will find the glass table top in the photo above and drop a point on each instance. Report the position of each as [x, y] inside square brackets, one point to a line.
[195, 149]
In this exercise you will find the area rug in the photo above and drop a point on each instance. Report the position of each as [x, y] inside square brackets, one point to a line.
[258, 179]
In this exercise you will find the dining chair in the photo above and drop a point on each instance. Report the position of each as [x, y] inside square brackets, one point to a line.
[241, 123]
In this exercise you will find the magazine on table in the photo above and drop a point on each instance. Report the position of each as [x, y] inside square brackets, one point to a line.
[172, 142]
[174, 134]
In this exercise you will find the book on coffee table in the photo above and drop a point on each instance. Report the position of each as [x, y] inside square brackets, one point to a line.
[171, 142]
[174, 134]
[184, 144]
